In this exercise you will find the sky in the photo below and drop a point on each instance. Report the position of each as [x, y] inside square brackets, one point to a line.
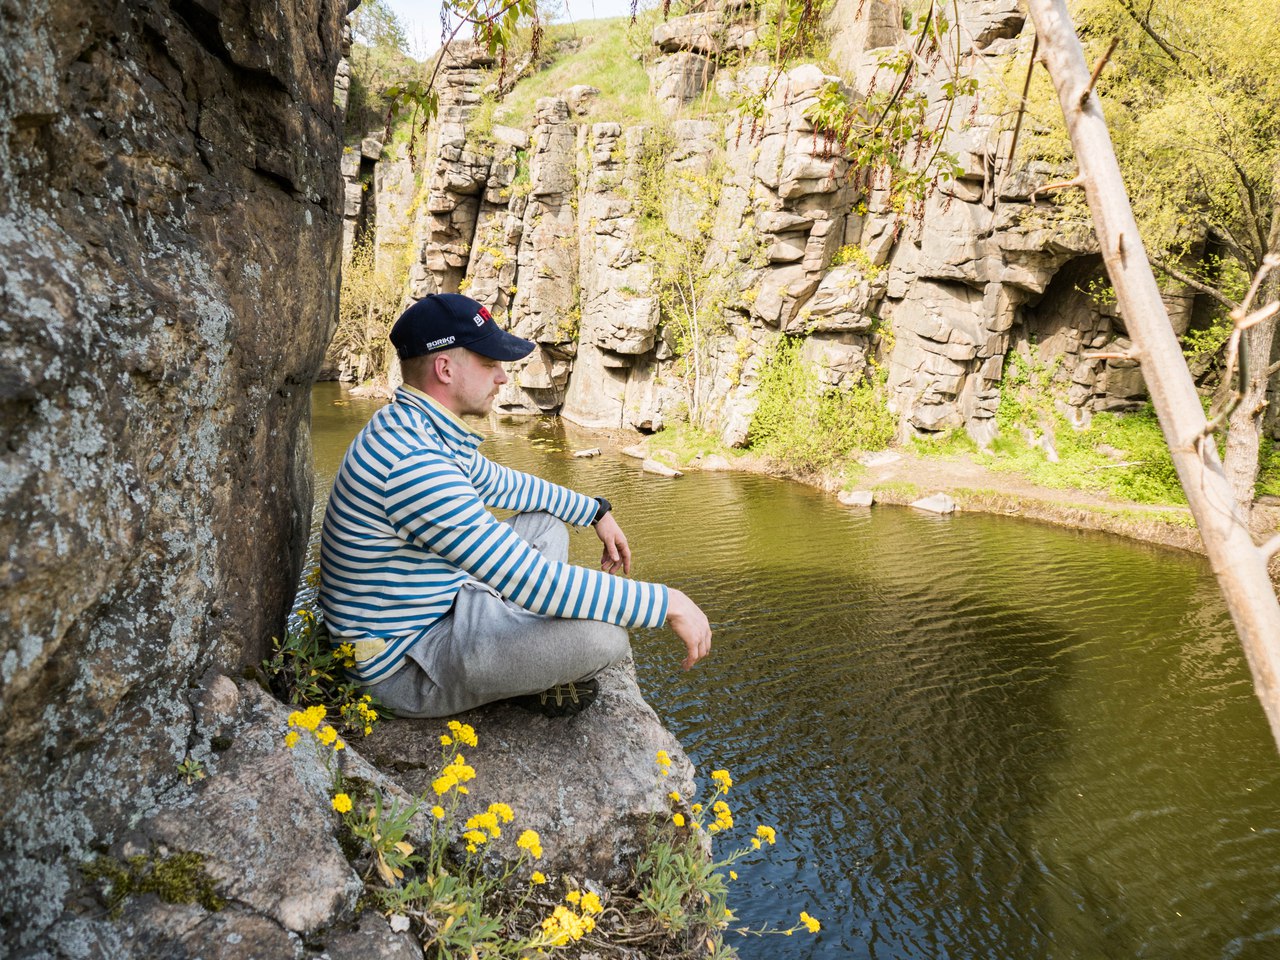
[421, 18]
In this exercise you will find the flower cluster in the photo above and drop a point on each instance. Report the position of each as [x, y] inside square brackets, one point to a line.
[767, 834]
[668, 890]
[529, 840]
[341, 802]
[724, 818]
[360, 714]
[565, 925]
[488, 821]
[455, 774]
[311, 720]
[462, 733]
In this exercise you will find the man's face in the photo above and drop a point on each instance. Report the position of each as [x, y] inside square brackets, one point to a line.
[476, 382]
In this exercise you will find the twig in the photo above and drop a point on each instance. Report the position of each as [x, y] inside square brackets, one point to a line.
[1121, 355]
[1269, 263]
[1195, 284]
[1076, 181]
[1255, 318]
[1022, 109]
[1097, 71]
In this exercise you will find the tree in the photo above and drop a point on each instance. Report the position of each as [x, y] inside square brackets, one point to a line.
[375, 24]
[1240, 565]
[1193, 104]
[379, 58]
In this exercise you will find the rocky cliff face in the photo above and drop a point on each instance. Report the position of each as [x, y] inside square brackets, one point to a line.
[549, 230]
[170, 211]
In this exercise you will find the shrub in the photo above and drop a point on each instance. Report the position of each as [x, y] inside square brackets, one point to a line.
[809, 427]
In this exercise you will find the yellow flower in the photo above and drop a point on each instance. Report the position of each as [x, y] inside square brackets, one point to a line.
[664, 759]
[766, 834]
[444, 783]
[475, 837]
[438, 812]
[591, 903]
[721, 777]
[755, 844]
[307, 719]
[696, 808]
[341, 802]
[573, 896]
[339, 745]
[529, 840]
[678, 819]
[813, 925]
[733, 874]
[291, 739]
[537, 877]
[502, 811]
[674, 796]
[463, 732]
[445, 740]
[485, 821]
[327, 735]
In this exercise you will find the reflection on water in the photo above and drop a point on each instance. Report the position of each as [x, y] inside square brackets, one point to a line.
[978, 738]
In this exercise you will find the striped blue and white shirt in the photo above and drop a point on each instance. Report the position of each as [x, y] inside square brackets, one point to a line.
[406, 525]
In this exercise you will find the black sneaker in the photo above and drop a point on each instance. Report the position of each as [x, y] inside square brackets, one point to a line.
[562, 700]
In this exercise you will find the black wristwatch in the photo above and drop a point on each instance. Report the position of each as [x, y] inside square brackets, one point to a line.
[605, 507]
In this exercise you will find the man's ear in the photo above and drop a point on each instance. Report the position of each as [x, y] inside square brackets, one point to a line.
[442, 367]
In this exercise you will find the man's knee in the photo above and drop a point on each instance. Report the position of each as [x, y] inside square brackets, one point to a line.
[608, 643]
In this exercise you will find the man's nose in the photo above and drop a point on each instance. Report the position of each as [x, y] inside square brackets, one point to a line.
[500, 375]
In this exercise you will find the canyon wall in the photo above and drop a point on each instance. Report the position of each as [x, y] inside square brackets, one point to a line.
[170, 229]
[549, 224]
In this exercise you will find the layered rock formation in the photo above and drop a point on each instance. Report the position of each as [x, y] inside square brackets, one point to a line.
[170, 214]
[801, 245]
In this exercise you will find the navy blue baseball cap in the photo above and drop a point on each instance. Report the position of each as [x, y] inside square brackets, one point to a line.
[442, 321]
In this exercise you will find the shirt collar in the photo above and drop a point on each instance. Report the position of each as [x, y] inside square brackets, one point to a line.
[452, 428]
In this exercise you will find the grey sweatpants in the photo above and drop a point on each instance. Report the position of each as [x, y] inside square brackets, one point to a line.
[487, 648]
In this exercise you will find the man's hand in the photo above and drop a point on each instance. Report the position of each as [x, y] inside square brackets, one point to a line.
[616, 555]
[690, 625]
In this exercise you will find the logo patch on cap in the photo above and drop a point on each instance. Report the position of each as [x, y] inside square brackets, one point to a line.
[481, 316]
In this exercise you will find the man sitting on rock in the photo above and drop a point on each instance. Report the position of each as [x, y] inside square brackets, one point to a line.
[446, 607]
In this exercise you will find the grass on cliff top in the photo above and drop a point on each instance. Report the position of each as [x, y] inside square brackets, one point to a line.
[606, 59]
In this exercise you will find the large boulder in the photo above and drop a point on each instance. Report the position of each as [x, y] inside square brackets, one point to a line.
[589, 785]
[170, 229]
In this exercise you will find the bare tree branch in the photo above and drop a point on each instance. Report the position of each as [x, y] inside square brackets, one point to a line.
[1165, 267]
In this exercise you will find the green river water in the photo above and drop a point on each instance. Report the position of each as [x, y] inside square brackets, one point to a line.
[976, 737]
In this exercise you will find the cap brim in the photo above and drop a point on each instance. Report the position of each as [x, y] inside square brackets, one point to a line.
[501, 345]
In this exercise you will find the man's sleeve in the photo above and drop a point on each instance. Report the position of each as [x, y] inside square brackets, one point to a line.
[433, 504]
[509, 489]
